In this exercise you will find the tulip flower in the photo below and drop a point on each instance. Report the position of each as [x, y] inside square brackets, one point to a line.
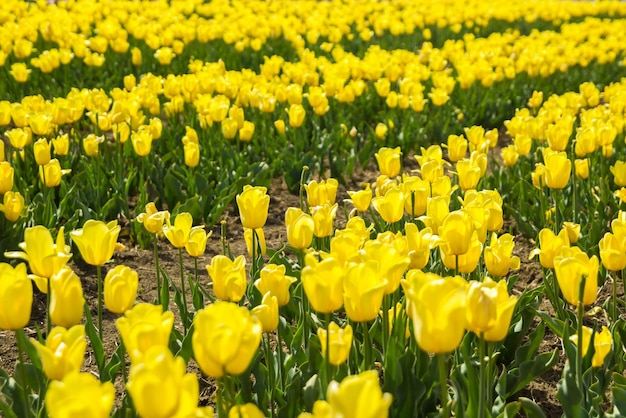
[323, 283]
[523, 144]
[196, 244]
[582, 168]
[340, 340]
[557, 169]
[602, 344]
[225, 339]
[612, 252]
[420, 242]
[389, 161]
[457, 147]
[253, 204]
[392, 261]
[267, 312]
[96, 241]
[505, 305]
[499, 257]
[152, 219]
[550, 246]
[16, 296]
[192, 154]
[159, 386]
[416, 193]
[51, 173]
[363, 291]
[144, 326]
[63, 352]
[464, 263]
[20, 72]
[6, 177]
[509, 155]
[228, 277]
[12, 206]
[619, 173]
[296, 115]
[570, 266]
[80, 394]
[300, 228]
[120, 289]
[45, 257]
[361, 199]
[91, 143]
[273, 280]
[136, 56]
[323, 219]
[437, 309]
[318, 194]
[456, 232]
[358, 396]
[246, 131]
[481, 313]
[390, 206]
[248, 410]
[468, 174]
[66, 299]
[178, 234]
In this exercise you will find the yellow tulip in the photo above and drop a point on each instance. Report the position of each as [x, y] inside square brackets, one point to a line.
[323, 283]
[573, 231]
[16, 297]
[120, 289]
[228, 277]
[300, 226]
[550, 246]
[420, 242]
[340, 340]
[7, 174]
[361, 199]
[390, 206]
[248, 410]
[13, 205]
[274, 280]
[96, 241]
[456, 232]
[505, 305]
[164, 55]
[229, 128]
[296, 114]
[196, 244]
[178, 234]
[67, 300]
[358, 396]
[557, 169]
[437, 309]
[192, 154]
[159, 386]
[523, 144]
[142, 142]
[392, 259]
[613, 252]
[363, 291]
[20, 72]
[619, 173]
[463, 263]
[41, 149]
[80, 394]
[320, 193]
[509, 155]
[481, 312]
[389, 161]
[63, 352]
[381, 130]
[143, 327]
[457, 147]
[253, 204]
[582, 168]
[225, 339]
[152, 219]
[267, 312]
[499, 257]
[18, 137]
[602, 344]
[323, 219]
[136, 56]
[51, 173]
[91, 144]
[570, 266]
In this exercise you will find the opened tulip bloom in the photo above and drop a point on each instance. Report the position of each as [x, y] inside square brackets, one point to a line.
[390, 207]
[178, 234]
[253, 204]
[320, 193]
[144, 326]
[153, 219]
[96, 241]
[225, 339]
[274, 280]
[550, 246]
[499, 258]
[228, 277]
[80, 395]
[340, 340]
[63, 352]
[602, 344]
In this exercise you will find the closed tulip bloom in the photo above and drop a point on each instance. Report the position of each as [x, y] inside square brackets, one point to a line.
[267, 312]
[142, 142]
[51, 173]
[570, 266]
[612, 252]
[229, 128]
[192, 154]
[63, 352]
[389, 161]
[152, 219]
[550, 246]
[363, 291]
[499, 257]
[300, 226]
[361, 199]
[420, 243]
[582, 168]
[319, 193]
[198, 237]
[358, 396]
[67, 300]
[392, 259]
[509, 155]
[248, 410]
[390, 206]
[159, 386]
[120, 289]
[456, 232]
[228, 277]
[178, 234]
[602, 344]
[253, 204]
[91, 144]
[143, 327]
[274, 280]
[481, 312]
[557, 169]
[16, 296]
[437, 208]
[323, 219]
[225, 339]
[573, 231]
[381, 130]
[280, 126]
[6, 177]
[323, 283]
[437, 309]
[505, 305]
[464, 263]
[416, 193]
[41, 149]
[20, 72]
[45, 256]
[457, 147]
[79, 395]
[246, 131]
[340, 340]
[619, 173]
[96, 241]
[13, 205]
[296, 115]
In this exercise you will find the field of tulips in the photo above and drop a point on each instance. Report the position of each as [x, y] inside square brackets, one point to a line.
[312, 209]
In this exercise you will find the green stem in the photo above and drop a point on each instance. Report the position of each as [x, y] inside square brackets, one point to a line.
[222, 411]
[158, 273]
[269, 360]
[489, 393]
[279, 352]
[580, 311]
[48, 298]
[183, 312]
[20, 354]
[327, 357]
[614, 299]
[443, 381]
[99, 270]
[367, 347]
[124, 375]
[387, 299]
[482, 376]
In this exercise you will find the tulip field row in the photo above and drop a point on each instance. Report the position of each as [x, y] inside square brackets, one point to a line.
[147, 123]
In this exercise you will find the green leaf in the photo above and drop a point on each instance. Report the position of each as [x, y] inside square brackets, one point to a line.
[311, 392]
[570, 396]
[514, 380]
[96, 342]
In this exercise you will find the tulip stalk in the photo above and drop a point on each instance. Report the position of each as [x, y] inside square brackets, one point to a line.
[19, 337]
[183, 312]
[158, 273]
[482, 376]
[269, 360]
[367, 348]
[443, 381]
[580, 312]
[99, 271]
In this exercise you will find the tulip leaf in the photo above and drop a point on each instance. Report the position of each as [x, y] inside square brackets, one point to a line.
[192, 205]
[31, 350]
[112, 368]
[570, 395]
[186, 350]
[96, 342]
[311, 391]
[619, 395]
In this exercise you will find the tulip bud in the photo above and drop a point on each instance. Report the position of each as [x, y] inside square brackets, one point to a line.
[253, 204]
[66, 299]
[143, 327]
[340, 340]
[228, 277]
[16, 297]
[120, 289]
[63, 352]
[81, 394]
[267, 312]
[6, 177]
[13, 205]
